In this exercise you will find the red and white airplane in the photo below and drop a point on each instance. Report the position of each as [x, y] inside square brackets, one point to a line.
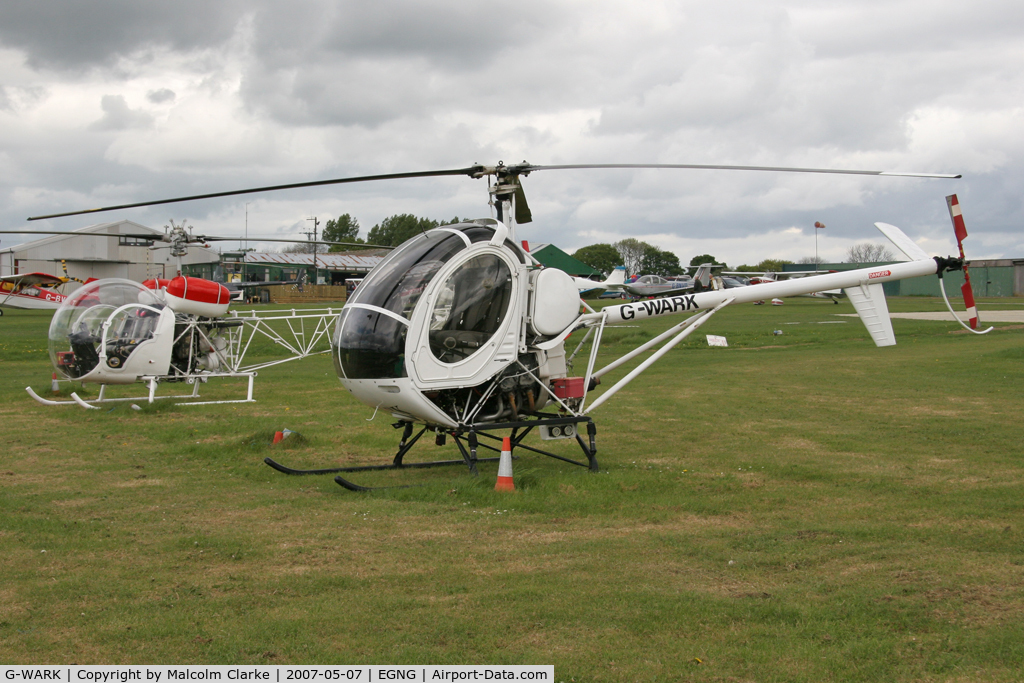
[31, 290]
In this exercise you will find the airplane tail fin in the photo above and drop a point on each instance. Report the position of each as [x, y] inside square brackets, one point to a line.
[617, 276]
[702, 278]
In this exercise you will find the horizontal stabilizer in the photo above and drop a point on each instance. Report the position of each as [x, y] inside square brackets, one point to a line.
[902, 242]
[869, 300]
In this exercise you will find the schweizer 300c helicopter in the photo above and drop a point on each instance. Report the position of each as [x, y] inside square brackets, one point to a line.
[462, 332]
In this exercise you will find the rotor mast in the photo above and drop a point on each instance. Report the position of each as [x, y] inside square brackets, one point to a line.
[507, 195]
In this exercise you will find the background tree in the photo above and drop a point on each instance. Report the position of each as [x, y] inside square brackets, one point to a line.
[396, 229]
[813, 259]
[603, 257]
[344, 228]
[868, 253]
[659, 262]
[632, 251]
[706, 258]
[771, 265]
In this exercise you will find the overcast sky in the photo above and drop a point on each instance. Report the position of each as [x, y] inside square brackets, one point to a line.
[115, 101]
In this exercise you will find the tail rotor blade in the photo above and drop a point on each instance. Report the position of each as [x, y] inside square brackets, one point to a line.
[960, 228]
[958, 221]
[972, 309]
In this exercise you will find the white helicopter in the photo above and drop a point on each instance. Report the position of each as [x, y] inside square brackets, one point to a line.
[179, 330]
[462, 332]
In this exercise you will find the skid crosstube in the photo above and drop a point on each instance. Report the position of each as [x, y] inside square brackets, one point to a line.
[467, 439]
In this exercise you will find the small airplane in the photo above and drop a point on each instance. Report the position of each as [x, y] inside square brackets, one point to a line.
[613, 283]
[760, 278]
[656, 285]
[650, 285]
[461, 332]
[33, 291]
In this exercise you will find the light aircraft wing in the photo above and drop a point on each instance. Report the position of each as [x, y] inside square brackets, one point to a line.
[33, 279]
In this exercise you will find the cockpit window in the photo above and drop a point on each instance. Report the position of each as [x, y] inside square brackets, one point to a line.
[369, 344]
[398, 281]
[472, 304]
[77, 327]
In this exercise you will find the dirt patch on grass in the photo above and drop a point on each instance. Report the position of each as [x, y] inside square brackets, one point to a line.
[140, 480]
[73, 502]
[976, 606]
[931, 410]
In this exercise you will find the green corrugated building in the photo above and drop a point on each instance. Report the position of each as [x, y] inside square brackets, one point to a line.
[553, 257]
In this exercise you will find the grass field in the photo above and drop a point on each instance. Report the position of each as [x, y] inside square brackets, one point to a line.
[796, 507]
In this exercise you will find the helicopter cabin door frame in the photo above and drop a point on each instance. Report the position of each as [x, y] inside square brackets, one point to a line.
[468, 326]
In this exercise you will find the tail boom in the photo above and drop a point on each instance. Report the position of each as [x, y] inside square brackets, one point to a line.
[840, 280]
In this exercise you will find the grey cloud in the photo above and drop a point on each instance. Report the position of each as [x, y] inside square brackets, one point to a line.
[459, 35]
[75, 36]
[117, 115]
[161, 96]
[367, 64]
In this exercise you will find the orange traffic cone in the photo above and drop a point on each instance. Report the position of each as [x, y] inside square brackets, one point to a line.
[278, 437]
[505, 482]
[54, 387]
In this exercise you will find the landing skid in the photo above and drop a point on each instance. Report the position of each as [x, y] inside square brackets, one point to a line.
[152, 383]
[468, 441]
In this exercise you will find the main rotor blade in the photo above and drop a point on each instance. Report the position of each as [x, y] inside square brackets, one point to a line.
[529, 168]
[470, 171]
[251, 238]
[477, 171]
[192, 239]
[71, 233]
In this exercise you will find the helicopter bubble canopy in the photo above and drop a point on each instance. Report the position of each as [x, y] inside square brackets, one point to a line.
[370, 336]
[101, 325]
[438, 312]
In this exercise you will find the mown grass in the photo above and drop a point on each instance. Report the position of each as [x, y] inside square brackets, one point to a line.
[796, 507]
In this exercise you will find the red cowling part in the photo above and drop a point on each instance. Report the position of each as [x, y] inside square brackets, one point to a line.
[156, 283]
[199, 290]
